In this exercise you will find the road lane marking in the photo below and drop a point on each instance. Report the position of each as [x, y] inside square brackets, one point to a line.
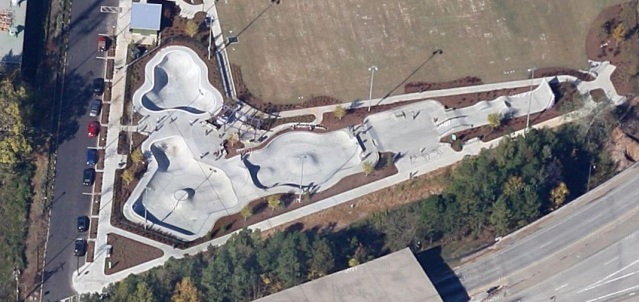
[611, 260]
[612, 294]
[558, 288]
[110, 9]
[610, 276]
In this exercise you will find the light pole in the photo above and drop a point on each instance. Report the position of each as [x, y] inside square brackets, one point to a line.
[372, 69]
[590, 167]
[301, 158]
[532, 81]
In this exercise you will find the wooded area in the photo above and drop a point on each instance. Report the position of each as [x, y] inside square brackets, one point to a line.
[15, 186]
[490, 194]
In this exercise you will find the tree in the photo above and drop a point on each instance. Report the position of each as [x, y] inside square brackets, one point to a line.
[136, 156]
[340, 112]
[501, 216]
[274, 201]
[322, 260]
[143, 293]
[368, 167]
[15, 143]
[619, 33]
[246, 212]
[127, 176]
[494, 120]
[558, 195]
[191, 28]
[185, 291]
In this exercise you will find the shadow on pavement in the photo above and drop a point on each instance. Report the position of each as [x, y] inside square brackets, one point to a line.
[447, 284]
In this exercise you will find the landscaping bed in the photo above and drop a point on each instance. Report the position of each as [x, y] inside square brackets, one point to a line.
[104, 115]
[413, 87]
[97, 184]
[603, 44]
[127, 253]
[101, 157]
[565, 94]
[95, 205]
[93, 230]
[90, 251]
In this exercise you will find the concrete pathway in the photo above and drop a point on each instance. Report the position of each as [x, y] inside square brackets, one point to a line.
[92, 277]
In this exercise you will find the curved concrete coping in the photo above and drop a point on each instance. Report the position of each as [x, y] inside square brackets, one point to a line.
[314, 160]
[181, 195]
[177, 79]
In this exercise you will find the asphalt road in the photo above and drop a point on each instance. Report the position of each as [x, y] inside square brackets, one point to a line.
[69, 202]
[578, 246]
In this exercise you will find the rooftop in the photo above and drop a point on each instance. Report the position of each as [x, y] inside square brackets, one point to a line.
[396, 277]
[12, 15]
[146, 16]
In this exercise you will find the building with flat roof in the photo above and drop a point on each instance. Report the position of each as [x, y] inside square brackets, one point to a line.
[12, 21]
[397, 277]
[145, 22]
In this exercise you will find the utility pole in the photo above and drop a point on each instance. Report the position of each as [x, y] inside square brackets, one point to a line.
[372, 69]
[532, 81]
[301, 158]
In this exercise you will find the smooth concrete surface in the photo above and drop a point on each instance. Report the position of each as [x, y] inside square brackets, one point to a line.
[177, 79]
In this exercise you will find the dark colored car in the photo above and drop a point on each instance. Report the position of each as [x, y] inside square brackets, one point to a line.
[94, 108]
[83, 223]
[92, 157]
[88, 176]
[98, 86]
[80, 247]
[93, 129]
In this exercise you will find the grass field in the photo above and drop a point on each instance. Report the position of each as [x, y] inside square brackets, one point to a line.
[305, 48]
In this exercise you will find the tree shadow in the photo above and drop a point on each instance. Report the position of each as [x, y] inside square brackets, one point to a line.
[446, 282]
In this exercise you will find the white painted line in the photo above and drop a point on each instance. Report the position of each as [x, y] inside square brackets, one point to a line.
[558, 288]
[612, 294]
[110, 9]
[611, 260]
[608, 277]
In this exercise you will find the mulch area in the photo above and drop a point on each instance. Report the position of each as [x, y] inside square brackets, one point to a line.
[413, 87]
[122, 256]
[93, 230]
[104, 115]
[172, 33]
[261, 211]
[97, 184]
[90, 251]
[601, 45]
[565, 93]
[101, 156]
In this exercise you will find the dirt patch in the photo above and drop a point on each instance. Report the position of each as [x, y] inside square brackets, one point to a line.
[90, 251]
[124, 143]
[95, 206]
[343, 215]
[109, 68]
[413, 87]
[274, 122]
[565, 93]
[97, 185]
[93, 230]
[127, 253]
[603, 44]
[104, 115]
[261, 212]
[101, 157]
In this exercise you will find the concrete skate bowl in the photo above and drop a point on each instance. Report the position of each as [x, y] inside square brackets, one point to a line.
[177, 79]
[183, 196]
[310, 158]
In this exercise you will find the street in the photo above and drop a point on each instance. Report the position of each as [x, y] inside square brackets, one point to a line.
[582, 253]
[69, 200]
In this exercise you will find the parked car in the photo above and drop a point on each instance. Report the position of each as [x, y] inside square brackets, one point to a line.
[98, 86]
[94, 108]
[83, 223]
[93, 129]
[80, 247]
[92, 157]
[88, 176]
[103, 43]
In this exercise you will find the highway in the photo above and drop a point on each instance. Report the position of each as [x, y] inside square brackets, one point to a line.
[69, 202]
[586, 251]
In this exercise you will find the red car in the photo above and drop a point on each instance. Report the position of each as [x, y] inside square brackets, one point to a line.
[93, 129]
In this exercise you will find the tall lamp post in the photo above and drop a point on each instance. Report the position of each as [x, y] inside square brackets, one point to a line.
[532, 81]
[146, 189]
[301, 158]
[590, 167]
[372, 69]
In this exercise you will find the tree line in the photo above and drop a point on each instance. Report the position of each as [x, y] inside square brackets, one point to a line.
[490, 194]
[16, 105]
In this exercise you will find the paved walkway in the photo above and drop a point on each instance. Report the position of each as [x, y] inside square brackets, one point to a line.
[92, 277]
